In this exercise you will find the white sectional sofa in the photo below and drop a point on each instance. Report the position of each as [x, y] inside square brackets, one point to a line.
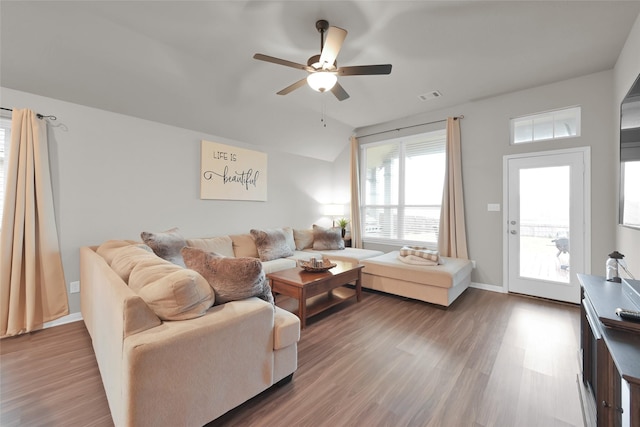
[167, 357]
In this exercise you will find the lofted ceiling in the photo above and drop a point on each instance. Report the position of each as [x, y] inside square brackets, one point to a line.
[189, 63]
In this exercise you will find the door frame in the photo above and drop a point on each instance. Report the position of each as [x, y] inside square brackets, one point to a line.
[586, 155]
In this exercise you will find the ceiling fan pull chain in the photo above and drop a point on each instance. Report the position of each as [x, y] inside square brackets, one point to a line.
[323, 118]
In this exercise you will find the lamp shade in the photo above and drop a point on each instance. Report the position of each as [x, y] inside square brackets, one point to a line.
[333, 210]
[322, 80]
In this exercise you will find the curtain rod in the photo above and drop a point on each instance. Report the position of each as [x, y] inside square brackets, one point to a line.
[38, 115]
[409, 127]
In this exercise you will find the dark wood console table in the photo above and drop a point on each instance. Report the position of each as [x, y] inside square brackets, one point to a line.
[610, 355]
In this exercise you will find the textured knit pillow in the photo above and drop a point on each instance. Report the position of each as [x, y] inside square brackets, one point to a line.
[231, 278]
[166, 244]
[327, 238]
[271, 244]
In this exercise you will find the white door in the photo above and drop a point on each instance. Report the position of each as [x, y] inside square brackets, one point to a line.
[546, 214]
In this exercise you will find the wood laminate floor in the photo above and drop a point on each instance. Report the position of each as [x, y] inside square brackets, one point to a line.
[489, 360]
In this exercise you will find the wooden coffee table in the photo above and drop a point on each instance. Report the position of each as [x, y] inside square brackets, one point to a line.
[317, 292]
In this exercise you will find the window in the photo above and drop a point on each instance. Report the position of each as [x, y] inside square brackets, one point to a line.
[5, 131]
[402, 182]
[555, 124]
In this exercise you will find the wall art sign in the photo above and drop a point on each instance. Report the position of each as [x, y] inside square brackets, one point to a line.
[232, 173]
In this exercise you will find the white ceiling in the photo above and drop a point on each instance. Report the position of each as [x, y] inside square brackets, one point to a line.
[189, 63]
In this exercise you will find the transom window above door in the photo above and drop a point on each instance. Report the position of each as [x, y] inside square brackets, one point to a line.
[556, 124]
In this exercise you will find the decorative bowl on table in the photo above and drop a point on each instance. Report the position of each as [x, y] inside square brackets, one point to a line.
[317, 266]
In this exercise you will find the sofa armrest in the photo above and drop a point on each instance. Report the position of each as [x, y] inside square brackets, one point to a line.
[191, 372]
[105, 298]
[286, 330]
[111, 311]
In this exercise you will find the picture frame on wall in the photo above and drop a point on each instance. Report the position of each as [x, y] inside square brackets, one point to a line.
[232, 173]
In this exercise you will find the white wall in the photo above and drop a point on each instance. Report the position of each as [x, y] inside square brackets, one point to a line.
[485, 141]
[115, 176]
[626, 71]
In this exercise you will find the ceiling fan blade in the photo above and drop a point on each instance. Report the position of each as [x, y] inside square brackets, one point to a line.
[332, 45]
[339, 92]
[293, 87]
[279, 61]
[363, 70]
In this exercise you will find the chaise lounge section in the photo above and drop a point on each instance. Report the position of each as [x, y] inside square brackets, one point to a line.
[440, 284]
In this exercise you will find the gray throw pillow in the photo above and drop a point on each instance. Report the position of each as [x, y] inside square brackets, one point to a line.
[271, 244]
[232, 279]
[166, 244]
[327, 238]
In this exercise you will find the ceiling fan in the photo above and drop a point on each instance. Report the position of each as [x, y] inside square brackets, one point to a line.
[323, 69]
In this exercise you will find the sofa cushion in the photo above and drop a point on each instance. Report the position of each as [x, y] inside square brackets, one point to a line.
[145, 272]
[222, 245]
[127, 257]
[327, 238]
[231, 278]
[244, 246]
[166, 244]
[303, 238]
[278, 264]
[348, 254]
[181, 295]
[108, 249]
[451, 272]
[271, 244]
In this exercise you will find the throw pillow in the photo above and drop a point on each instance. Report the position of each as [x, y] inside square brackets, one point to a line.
[145, 273]
[303, 238]
[231, 278]
[271, 244]
[181, 295]
[166, 244]
[327, 238]
[126, 258]
[109, 249]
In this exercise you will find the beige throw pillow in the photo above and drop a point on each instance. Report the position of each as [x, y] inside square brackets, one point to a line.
[181, 295]
[303, 238]
[109, 249]
[231, 278]
[327, 238]
[126, 258]
[166, 244]
[271, 244]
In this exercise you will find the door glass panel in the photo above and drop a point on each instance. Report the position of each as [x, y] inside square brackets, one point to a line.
[544, 223]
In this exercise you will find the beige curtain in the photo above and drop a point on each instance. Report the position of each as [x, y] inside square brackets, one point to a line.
[356, 232]
[452, 239]
[32, 284]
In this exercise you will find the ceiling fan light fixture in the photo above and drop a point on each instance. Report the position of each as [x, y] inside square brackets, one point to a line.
[322, 81]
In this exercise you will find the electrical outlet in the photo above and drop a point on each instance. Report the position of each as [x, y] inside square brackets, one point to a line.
[473, 264]
[74, 287]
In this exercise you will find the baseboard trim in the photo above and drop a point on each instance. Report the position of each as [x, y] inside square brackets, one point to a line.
[487, 287]
[73, 317]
